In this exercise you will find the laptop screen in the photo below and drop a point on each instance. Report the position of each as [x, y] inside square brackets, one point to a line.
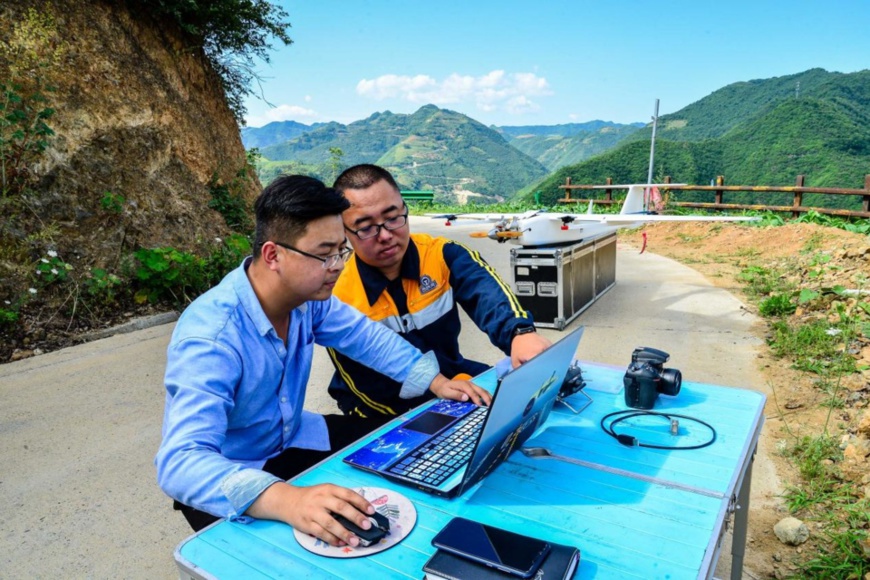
[522, 403]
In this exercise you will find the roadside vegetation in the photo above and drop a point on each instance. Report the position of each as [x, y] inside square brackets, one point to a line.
[819, 322]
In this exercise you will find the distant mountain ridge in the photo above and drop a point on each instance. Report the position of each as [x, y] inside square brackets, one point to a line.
[758, 132]
[552, 145]
[273, 133]
[432, 148]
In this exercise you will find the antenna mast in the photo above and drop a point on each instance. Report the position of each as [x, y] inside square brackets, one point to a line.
[652, 155]
[652, 145]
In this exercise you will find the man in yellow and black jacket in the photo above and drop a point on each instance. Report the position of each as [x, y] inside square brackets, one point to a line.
[413, 283]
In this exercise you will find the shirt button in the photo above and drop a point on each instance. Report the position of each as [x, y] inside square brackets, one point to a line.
[283, 399]
[286, 427]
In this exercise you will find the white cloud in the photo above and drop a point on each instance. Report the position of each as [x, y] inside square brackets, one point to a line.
[496, 90]
[281, 113]
[391, 86]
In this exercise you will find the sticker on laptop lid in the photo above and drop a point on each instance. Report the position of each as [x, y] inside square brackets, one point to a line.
[394, 506]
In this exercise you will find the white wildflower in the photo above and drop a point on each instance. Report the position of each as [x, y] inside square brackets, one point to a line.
[44, 261]
[52, 253]
[7, 302]
[32, 290]
[833, 331]
[218, 240]
[54, 271]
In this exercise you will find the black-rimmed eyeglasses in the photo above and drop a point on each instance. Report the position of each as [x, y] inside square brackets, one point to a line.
[373, 230]
[328, 262]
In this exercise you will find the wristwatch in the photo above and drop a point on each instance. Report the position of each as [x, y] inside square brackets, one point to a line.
[522, 330]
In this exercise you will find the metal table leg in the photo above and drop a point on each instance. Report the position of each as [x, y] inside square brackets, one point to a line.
[741, 524]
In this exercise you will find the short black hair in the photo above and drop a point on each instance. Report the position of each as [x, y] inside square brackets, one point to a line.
[363, 176]
[288, 204]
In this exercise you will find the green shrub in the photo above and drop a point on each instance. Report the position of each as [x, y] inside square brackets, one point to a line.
[8, 318]
[102, 288]
[112, 202]
[230, 205]
[169, 275]
[166, 274]
[776, 305]
[52, 269]
[32, 47]
[227, 256]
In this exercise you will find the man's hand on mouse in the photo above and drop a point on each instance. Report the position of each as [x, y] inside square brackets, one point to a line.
[310, 509]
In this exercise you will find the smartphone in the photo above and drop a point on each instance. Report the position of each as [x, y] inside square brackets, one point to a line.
[506, 551]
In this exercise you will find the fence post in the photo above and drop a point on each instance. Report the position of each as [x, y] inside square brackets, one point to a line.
[798, 197]
[608, 193]
[567, 185]
[866, 199]
[720, 180]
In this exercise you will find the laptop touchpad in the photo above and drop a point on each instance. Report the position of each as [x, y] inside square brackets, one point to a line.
[429, 423]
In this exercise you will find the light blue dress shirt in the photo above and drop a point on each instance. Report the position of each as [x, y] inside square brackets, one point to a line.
[234, 392]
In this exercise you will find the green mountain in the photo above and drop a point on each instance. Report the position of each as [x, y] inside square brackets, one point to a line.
[821, 131]
[274, 133]
[556, 149]
[733, 105]
[432, 148]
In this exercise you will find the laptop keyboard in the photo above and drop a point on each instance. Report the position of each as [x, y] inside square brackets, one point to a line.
[442, 456]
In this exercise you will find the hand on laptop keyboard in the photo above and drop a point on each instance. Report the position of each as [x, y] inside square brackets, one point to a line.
[460, 390]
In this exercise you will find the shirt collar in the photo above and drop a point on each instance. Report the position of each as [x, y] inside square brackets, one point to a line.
[374, 282]
[250, 302]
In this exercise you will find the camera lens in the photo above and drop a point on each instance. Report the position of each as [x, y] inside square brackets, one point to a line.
[671, 381]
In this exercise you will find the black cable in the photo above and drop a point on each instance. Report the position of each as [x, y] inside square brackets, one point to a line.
[631, 441]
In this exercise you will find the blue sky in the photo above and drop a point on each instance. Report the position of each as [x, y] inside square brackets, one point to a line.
[545, 62]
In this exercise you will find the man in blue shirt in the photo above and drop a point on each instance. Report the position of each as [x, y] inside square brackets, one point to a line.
[237, 367]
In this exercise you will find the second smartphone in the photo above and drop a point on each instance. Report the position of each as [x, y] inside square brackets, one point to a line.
[506, 551]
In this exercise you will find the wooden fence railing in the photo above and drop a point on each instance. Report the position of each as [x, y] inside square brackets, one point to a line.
[719, 189]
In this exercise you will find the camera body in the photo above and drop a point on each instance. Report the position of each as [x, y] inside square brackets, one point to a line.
[647, 376]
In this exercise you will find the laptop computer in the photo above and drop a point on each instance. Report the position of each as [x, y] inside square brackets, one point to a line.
[451, 445]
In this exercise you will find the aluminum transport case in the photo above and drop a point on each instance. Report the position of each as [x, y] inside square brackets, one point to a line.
[556, 284]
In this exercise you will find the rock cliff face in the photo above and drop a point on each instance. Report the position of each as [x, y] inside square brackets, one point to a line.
[138, 115]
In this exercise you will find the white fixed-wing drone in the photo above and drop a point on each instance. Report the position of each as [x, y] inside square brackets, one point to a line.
[542, 228]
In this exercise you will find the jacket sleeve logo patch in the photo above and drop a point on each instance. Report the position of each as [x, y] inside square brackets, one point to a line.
[427, 284]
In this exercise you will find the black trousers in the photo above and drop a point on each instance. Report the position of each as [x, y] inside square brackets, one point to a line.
[343, 430]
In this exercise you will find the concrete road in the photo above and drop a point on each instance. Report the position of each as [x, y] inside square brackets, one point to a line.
[79, 427]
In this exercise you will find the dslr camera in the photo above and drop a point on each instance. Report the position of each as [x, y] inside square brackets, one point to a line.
[647, 376]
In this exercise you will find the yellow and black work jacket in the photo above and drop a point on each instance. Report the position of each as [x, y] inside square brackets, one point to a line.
[421, 305]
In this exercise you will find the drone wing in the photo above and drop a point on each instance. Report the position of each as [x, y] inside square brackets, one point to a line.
[624, 219]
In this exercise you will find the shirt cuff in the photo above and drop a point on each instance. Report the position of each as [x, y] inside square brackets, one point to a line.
[421, 376]
[242, 488]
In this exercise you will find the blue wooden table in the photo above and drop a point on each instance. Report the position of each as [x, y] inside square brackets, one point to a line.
[633, 512]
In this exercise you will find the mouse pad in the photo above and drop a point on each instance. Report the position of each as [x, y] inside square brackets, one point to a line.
[389, 503]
